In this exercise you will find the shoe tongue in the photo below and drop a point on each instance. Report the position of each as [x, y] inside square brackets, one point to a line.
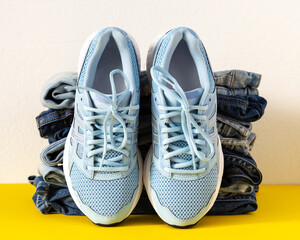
[123, 100]
[192, 96]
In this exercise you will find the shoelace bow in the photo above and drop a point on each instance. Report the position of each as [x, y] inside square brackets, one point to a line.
[111, 118]
[188, 126]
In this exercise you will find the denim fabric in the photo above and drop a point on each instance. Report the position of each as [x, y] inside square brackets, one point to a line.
[54, 94]
[239, 145]
[51, 121]
[236, 92]
[232, 204]
[237, 188]
[248, 109]
[228, 127]
[237, 79]
[52, 175]
[50, 198]
[239, 168]
[52, 155]
[235, 135]
[58, 135]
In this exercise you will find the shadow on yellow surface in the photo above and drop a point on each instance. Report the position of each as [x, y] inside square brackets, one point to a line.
[278, 216]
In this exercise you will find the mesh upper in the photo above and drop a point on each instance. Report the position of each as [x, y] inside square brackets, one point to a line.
[182, 144]
[108, 197]
[184, 198]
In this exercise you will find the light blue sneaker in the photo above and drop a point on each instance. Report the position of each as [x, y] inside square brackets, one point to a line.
[184, 168]
[102, 165]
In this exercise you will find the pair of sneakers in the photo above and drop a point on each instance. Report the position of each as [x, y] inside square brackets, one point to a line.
[102, 164]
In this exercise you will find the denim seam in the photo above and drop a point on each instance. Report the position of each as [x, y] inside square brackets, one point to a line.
[237, 199]
[235, 159]
[234, 102]
[243, 130]
[47, 208]
[234, 141]
[51, 114]
[251, 166]
[52, 119]
[230, 97]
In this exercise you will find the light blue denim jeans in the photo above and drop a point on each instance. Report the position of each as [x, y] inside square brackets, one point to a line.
[55, 96]
[52, 155]
[52, 175]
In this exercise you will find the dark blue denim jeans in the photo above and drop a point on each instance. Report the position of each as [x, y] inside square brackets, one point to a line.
[51, 121]
[248, 108]
[239, 167]
[50, 198]
[58, 135]
[232, 204]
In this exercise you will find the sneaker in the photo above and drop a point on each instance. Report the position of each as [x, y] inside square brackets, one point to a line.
[102, 165]
[184, 167]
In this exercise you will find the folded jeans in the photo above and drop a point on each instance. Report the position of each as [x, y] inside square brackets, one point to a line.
[231, 128]
[51, 121]
[239, 145]
[52, 155]
[236, 92]
[247, 109]
[55, 95]
[50, 198]
[232, 204]
[52, 175]
[237, 79]
[239, 167]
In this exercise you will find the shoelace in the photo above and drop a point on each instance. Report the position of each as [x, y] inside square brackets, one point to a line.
[111, 118]
[189, 127]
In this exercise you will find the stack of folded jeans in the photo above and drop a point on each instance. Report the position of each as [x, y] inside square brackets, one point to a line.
[238, 106]
[52, 194]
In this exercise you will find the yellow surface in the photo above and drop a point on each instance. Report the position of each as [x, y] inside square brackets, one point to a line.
[278, 217]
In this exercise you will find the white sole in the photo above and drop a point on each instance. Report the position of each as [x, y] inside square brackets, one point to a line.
[147, 163]
[66, 156]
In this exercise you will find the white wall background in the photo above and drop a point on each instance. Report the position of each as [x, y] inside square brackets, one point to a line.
[41, 38]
